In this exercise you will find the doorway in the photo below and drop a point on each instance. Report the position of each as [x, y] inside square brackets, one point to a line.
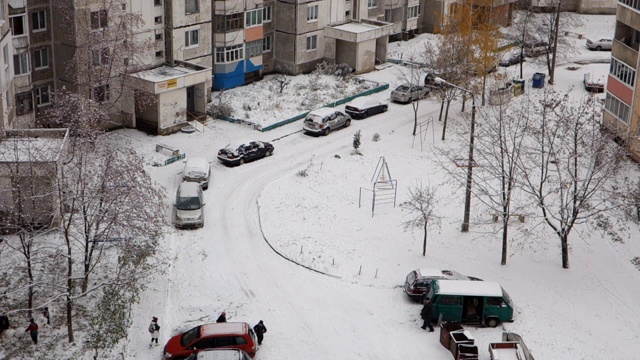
[191, 105]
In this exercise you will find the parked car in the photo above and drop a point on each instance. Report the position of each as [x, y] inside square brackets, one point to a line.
[197, 169]
[591, 84]
[418, 282]
[364, 107]
[536, 49]
[228, 335]
[188, 209]
[512, 59]
[407, 93]
[600, 44]
[220, 354]
[323, 120]
[245, 153]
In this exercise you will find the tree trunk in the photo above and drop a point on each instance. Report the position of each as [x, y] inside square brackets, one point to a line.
[484, 85]
[565, 251]
[552, 69]
[505, 237]
[441, 109]
[69, 318]
[446, 117]
[424, 244]
[69, 307]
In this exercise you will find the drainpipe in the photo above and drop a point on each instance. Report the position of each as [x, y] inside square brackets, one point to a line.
[295, 42]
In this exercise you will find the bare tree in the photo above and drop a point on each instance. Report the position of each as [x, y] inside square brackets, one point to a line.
[411, 75]
[571, 168]
[422, 206]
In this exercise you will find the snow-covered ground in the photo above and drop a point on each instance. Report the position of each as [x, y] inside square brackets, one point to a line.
[267, 229]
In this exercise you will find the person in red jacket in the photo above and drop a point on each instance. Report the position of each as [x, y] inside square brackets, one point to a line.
[33, 331]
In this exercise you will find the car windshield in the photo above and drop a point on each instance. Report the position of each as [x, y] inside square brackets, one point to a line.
[507, 298]
[402, 88]
[189, 336]
[188, 203]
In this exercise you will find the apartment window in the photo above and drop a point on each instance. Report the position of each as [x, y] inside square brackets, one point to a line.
[229, 22]
[414, 11]
[18, 25]
[372, 3]
[191, 38]
[24, 103]
[157, 2]
[159, 54]
[266, 44]
[1, 12]
[312, 42]
[266, 14]
[229, 54]
[99, 19]
[42, 96]
[21, 64]
[101, 93]
[39, 21]
[157, 20]
[100, 56]
[191, 6]
[253, 18]
[41, 58]
[158, 36]
[623, 72]
[617, 108]
[312, 13]
[253, 48]
[5, 55]
[631, 3]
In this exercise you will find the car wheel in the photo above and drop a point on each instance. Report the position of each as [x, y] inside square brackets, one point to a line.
[347, 123]
[492, 322]
[366, 114]
[385, 108]
[268, 153]
[599, 48]
[326, 131]
[241, 161]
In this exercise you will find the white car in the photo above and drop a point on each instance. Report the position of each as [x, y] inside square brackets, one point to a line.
[363, 107]
[600, 44]
[407, 93]
[323, 120]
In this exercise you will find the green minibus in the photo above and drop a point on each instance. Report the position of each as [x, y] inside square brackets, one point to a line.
[471, 302]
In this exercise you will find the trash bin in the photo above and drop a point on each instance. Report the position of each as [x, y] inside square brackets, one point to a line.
[467, 352]
[457, 338]
[538, 80]
[446, 329]
[518, 87]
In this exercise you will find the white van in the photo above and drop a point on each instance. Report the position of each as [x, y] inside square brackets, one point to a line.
[188, 210]
[197, 169]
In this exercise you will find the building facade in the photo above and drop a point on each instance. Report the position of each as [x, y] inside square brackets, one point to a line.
[622, 102]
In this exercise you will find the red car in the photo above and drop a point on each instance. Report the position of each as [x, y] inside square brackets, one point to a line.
[227, 335]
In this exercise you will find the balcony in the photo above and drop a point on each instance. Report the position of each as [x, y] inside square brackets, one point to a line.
[625, 53]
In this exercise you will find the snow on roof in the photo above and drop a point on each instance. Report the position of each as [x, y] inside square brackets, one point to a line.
[196, 163]
[322, 112]
[164, 72]
[363, 101]
[227, 328]
[354, 27]
[430, 273]
[469, 287]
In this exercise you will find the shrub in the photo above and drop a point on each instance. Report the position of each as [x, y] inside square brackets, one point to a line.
[376, 137]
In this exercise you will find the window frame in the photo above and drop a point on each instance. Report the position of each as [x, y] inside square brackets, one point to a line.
[372, 4]
[253, 48]
[99, 16]
[20, 100]
[197, 7]
[103, 96]
[26, 63]
[38, 96]
[100, 56]
[38, 55]
[312, 13]
[312, 43]
[253, 18]
[267, 14]
[189, 37]
[267, 44]
[23, 18]
[157, 2]
[39, 18]
[229, 54]
[415, 9]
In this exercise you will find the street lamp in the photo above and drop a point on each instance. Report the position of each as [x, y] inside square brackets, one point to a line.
[467, 198]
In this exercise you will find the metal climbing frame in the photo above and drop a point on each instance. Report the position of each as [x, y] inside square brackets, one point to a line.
[385, 189]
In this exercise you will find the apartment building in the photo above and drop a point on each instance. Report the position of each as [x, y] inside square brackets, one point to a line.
[6, 71]
[622, 103]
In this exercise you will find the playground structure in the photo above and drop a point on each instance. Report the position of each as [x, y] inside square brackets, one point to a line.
[385, 188]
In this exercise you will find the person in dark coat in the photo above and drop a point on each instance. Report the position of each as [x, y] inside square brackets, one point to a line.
[154, 330]
[260, 329]
[4, 323]
[427, 309]
[222, 317]
[45, 313]
[33, 331]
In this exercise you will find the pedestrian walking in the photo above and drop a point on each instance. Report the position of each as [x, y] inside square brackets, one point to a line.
[222, 317]
[33, 331]
[260, 329]
[154, 329]
[4, 323]
[45, 313]
[426, 314]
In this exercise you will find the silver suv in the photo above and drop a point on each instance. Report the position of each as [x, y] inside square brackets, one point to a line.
[323, 120]
[407, 93]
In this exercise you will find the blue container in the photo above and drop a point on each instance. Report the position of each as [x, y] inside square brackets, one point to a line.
[538, 80]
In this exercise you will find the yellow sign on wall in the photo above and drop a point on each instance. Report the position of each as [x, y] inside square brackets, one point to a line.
[172, 83]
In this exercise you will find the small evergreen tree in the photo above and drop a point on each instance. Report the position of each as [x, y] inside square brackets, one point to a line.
[356, 142]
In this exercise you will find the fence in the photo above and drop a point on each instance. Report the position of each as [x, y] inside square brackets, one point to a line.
[301, 116]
